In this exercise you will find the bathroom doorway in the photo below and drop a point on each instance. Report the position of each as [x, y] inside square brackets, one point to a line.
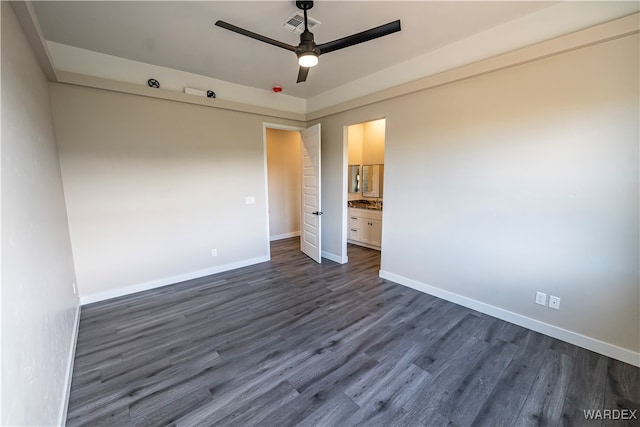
[365, 147]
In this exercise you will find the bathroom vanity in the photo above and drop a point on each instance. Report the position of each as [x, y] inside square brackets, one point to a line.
[365, 227]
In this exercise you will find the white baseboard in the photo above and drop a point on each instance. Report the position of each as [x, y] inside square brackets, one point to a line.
[101, 296]
[284, 236]
[62, 420]
[366, 245]
[335, 258]
[571, 337]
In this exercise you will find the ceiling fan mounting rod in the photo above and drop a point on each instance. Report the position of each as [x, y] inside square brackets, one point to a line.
[304, 6]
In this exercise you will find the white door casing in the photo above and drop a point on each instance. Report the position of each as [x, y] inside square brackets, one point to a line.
[311, 224]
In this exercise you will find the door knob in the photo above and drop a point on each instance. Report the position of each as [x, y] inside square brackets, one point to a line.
[317, 213]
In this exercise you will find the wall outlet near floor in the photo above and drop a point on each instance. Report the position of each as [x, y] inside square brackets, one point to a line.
[554, 302]
[541, 298]
[214, 252]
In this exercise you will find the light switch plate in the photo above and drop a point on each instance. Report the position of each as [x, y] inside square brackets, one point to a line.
[541, 298]
[250, 200]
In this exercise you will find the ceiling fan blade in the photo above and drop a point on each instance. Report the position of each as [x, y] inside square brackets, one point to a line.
[302, 74]
[255, 36]
[364, 36]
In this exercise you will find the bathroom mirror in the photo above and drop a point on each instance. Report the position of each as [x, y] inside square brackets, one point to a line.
[354, 178]
[372, 180]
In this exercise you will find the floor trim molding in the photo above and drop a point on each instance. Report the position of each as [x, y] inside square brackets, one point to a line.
[284, 236]
[335, 258]
[601, 347]
[101, 296]
[62, 420]
[366, 245]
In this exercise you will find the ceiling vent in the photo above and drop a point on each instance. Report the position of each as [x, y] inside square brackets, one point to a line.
[296, 23]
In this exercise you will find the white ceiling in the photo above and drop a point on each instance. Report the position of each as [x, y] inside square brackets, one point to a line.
[181, 35]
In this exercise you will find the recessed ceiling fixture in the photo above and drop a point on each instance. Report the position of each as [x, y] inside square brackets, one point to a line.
[308, 51]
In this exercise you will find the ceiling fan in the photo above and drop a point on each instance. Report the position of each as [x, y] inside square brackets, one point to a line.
[308, 51]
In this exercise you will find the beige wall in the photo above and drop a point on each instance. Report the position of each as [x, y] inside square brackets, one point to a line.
[152, 186]
[355, 137]
[39, 304]
[517, 181]
[373, 142]
[354, 145]
[366, 143]
[284, 178]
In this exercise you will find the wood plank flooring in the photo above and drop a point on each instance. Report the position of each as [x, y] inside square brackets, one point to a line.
[294, 343]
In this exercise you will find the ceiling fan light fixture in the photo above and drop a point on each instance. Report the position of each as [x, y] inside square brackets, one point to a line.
[308, 59]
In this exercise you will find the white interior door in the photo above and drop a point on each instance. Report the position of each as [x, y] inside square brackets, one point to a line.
[311, 221]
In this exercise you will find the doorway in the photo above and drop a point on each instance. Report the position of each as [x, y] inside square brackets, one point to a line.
[364, 199]
[283, 183]
[292, 180]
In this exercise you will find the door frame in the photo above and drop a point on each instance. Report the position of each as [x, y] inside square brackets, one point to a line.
[345, 186]
[265, 126]
[345, 191]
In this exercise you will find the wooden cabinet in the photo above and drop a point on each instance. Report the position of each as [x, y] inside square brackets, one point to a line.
[373, 232]
[365, 227]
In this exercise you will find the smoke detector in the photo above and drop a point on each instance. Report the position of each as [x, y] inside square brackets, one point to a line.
[295, 22]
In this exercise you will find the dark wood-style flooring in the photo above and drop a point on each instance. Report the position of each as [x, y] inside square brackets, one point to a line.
[293, 343]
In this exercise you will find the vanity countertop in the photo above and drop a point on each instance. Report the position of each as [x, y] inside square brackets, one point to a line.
[365, 204]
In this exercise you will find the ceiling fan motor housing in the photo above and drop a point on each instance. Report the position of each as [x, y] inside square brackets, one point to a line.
[307, 44]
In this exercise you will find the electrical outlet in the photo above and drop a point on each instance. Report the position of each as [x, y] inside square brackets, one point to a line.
[541, 298]
[214, 252]
[554, 302]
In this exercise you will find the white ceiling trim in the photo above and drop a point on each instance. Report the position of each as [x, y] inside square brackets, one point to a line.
[622, 27]
[31, 27]
[557, 20]
[83, 80]
[81, 61]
